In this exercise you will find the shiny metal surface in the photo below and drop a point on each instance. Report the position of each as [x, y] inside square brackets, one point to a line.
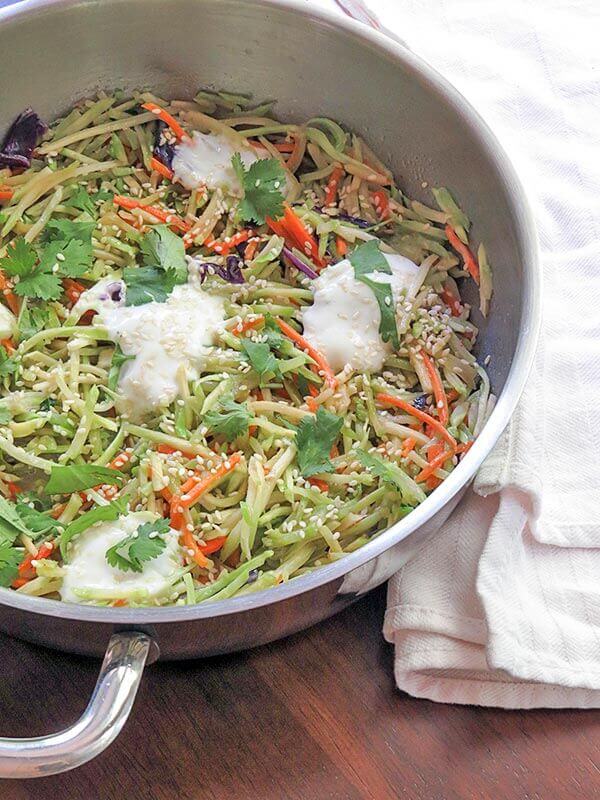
[98, 726]
[314, 62]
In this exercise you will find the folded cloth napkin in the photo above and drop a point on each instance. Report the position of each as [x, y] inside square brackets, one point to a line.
[502, 606]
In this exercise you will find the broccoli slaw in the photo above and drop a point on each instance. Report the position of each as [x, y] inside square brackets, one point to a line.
[232, 350]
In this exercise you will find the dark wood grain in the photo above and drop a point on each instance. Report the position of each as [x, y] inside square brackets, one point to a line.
[315, 717]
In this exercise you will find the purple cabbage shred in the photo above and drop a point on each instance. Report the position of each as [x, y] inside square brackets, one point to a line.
[231, 271]
[164, 151]
[21, 140]
[298, 263]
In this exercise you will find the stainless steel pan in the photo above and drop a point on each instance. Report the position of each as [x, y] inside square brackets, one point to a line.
[53, 52]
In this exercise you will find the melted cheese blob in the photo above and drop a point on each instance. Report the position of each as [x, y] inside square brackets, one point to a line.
[205, 160]
[168, 341]
[343, 321]
[88, 575]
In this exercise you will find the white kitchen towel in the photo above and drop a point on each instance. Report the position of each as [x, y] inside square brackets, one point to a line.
[502, 606]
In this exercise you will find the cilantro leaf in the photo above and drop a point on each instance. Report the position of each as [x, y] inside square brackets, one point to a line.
[11, 524]
[7, 365]
[261, 358]
[262, 184]
[315, 436]
[231, 419]
[36, 522]
[106, 513]
[66, 259]
[20, 263]
[163, 248]
[118, 359]
[10, 558]
[85, 201]
[366, 260]
[391, 473]
[147, 284]
[33, 318]
[66, 230]
[77, 477]
[143, 545]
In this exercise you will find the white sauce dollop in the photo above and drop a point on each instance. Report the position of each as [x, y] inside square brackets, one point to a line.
[205, 160]
[8, 322]
[107, 293]
[343, 321]
[88, 569]
[169, 342]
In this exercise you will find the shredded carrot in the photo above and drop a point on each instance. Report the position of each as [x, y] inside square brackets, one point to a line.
[434, 465]
[382, 203]
[433, 482]
[422, 416]
[8, 345]
[452, 395]
[247, 325]
[320, 361]
[168, 450]
[167, 217]
[341, 246]
[26, 569]
[464, 447]
[11, 298]
[73, 289]
[296, 234]
[119, 603]
[319, 483]
[333, 185]
[120, 460]
[167, 118]
[311, 404]
[452, 301]
[470, 261]
[409, 444]
[225, 246]
[213, 545]
[202, 484]
[250, 250]
[188, 541]
[314, 392]
[441, 401]
[5, 193]
[161, 168]
[284, 147]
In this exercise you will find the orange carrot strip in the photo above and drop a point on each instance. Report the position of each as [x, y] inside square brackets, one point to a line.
[284, 147]
[207, 482]
[305, 241]
[422, 416]
[119, 603]
[213, 545]
[441, 401]
[8, 345]
[26, 569]
[169, 217]
[188, 541]
[161, 168]
[409, 444]
[341, 246]
[434, 465]
[11, 298]
[317, 357]
[468, 257]
[452, 301]
[464, 447]
[382, 203]
[120, 460]
[250, 251]
[6, 193]
[333, 184]
[247, 325]
[319, 483]
[223, 247]
[167, 118]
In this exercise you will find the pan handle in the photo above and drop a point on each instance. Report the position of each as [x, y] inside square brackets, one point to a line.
[100, 723]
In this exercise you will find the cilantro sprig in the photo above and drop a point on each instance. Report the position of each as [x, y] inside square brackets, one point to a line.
[262, 184]
[262, 360]
[230, 419]
[163, 267]
[10, 558]
[143, 545]
[65, 253]
[315, 436]
[366, 260]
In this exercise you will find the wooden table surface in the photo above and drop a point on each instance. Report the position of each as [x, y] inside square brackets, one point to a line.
[313, 717]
